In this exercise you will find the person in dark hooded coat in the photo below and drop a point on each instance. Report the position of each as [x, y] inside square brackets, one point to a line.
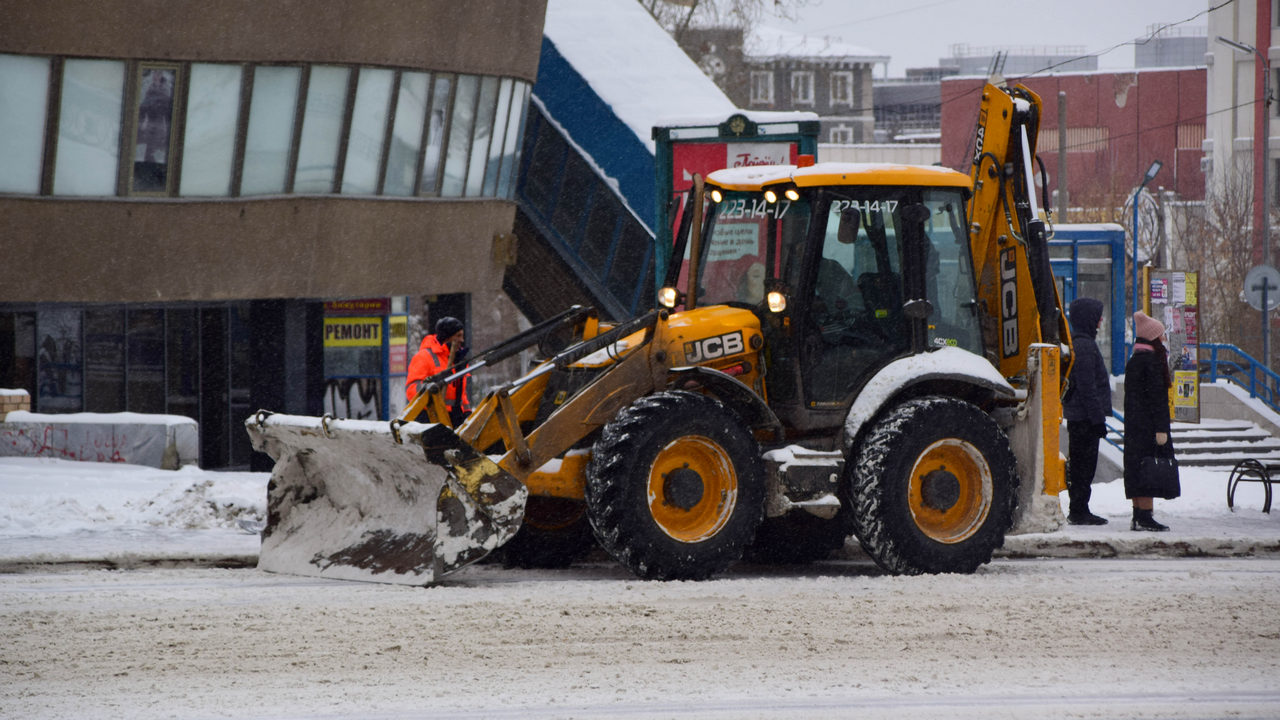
[1086, 409]
[1146, 412]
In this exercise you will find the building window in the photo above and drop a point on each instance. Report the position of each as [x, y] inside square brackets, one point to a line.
[761, 88]
[322, 124]
[460, 127]
[493, 164]
[514, 140]
[842, 88]
[153, 124]
[406, 134]
[209, 143]
[840, 135]
[270, 134]
[437, 127]
[24, 95]
[802, 87]
[480, 138]
[1275, 186]
[88, 145]
[368, 130]
[229, 129]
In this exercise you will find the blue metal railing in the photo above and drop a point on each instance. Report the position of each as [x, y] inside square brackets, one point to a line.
[1237, 366]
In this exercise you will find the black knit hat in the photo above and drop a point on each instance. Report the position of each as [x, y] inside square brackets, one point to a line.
[447, 327]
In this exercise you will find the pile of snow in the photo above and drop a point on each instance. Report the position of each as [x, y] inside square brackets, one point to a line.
[54, 510]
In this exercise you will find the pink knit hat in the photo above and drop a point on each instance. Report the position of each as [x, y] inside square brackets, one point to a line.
[1147, 327]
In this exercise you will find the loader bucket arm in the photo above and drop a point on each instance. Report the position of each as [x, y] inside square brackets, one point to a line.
[407, 502]
[1008, 235]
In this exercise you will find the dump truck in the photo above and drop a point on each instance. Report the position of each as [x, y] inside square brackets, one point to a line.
[836, 350]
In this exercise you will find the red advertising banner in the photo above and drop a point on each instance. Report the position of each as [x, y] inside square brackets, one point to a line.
[688, 159]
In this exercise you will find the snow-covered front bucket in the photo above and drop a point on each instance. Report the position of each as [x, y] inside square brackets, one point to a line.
[349, 501]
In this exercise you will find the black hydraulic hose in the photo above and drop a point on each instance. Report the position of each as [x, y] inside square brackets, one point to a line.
[1044, 185]
[577, 352]
[681, 242]
[514, 345]
[1042, 280]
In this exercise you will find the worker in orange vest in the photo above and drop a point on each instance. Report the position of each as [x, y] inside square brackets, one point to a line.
[439, 351]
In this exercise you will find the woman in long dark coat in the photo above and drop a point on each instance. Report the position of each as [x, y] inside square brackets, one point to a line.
[1146, 411]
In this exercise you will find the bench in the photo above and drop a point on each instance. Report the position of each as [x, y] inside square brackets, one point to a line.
[1252, 470]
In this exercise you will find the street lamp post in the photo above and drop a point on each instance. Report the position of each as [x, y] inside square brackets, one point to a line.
[1261, 142]
[1151, 175]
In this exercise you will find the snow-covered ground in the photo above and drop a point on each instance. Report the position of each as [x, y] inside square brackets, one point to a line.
[63, 511]
[1134, 636]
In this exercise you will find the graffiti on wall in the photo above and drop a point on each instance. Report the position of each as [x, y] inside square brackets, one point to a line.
[56, 442]
[352, 398]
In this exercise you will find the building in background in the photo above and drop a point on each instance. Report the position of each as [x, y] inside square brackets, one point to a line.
[1177, 46]
[1018, 61]
[1117, 124]
[770, 69]
[211, 208]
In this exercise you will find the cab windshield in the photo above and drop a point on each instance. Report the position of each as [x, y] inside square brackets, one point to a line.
[746, 244]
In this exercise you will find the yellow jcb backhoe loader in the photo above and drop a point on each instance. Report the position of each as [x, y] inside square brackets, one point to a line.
[838, 349]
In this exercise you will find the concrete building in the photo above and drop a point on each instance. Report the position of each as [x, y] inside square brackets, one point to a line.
[211, 208]
[1238, 111]
[1171, 47]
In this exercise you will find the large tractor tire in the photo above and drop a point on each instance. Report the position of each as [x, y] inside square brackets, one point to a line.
[675, 487]
[799, 537]
[934, 488]
[555, 533]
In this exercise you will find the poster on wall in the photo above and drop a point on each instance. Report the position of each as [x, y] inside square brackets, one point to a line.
[1173, 299]
[59, 362]
[353, 347]
[398, 361]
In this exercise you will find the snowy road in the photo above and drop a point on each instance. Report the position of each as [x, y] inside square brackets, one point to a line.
[1170, 638]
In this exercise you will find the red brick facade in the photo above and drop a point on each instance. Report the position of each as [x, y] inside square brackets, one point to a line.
[1117, 124]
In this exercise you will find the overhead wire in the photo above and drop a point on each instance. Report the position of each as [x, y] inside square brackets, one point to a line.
[1140, 41]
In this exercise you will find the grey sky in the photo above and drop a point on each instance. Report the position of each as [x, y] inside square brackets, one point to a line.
[916, 33]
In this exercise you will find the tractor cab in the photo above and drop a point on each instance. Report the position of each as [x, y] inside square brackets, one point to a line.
[848, 267]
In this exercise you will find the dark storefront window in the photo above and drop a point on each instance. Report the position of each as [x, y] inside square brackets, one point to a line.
[146, 361]
[182, 363]
[58, 362]
[241, 361]
[193, 362]
[103, 360]
[18, 350]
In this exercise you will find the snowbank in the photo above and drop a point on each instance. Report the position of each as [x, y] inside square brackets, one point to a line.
[162, 441]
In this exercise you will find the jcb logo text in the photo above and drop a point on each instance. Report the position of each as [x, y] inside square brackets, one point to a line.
[713, 347]
[1008, 303]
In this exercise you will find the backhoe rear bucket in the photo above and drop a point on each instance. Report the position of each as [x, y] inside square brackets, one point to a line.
[349, 502]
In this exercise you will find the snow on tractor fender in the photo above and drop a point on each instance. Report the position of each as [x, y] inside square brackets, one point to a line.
[361, 500]
[946, 363]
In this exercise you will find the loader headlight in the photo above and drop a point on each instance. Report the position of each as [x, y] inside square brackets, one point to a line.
[668, 297]
[716, 196]
[770, 196]
[791, 194]
[777, 301]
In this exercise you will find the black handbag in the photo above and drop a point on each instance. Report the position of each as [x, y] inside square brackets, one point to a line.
[1158, 477]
